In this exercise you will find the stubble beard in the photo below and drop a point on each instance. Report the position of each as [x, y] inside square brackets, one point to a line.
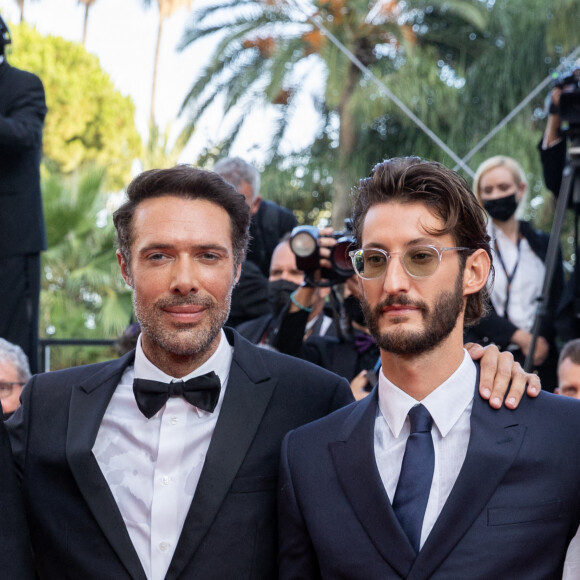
[438, 322]
[183, 340]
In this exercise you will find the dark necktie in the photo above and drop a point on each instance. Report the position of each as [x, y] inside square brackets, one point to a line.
[202, 392]
[416, 476]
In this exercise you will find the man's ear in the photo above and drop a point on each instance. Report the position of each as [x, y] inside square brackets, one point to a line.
[476, 272]
[238, 274]
[255, 205]
[124, 269]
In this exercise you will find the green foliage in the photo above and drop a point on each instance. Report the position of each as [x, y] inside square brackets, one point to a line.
[269, 51]
[89, 121]
[83, 294]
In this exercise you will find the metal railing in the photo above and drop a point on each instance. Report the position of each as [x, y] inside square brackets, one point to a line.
[46, 343]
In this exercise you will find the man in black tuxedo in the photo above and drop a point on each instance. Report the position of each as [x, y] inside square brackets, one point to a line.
[22, 232]
[126, 472]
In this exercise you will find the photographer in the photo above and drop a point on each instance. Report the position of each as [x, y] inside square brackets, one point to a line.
[553, 155]
[352, 353]
[285, 278]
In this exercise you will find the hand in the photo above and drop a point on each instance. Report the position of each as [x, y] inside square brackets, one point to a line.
[358, 384]
[524, 340]
[499, 372]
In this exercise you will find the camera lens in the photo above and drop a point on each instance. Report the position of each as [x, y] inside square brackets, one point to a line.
[303, 244]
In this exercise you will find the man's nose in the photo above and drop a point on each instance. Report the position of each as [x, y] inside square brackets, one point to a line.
[185, 276]
[396, 279]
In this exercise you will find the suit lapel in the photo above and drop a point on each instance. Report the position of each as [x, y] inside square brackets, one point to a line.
[249, 389]
[89, 401]
[353, 458]
[496, 437]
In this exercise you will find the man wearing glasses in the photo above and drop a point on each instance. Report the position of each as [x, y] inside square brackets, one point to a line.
[421, 479]
[14, 372]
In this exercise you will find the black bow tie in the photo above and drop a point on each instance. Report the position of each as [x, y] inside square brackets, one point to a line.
[202, 392]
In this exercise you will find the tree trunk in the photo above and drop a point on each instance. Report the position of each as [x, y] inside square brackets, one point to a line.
[21, 5]
[347, 139]
[155, 65]
[85, 24]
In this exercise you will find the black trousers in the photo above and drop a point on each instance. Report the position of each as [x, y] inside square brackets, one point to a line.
[19, 303]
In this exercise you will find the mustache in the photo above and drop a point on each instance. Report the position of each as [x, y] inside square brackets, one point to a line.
[400, 300]
[189, 300]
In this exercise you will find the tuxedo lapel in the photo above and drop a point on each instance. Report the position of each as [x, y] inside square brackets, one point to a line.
[89, 401]
[249, 389]
[354, 461]
[496, 437]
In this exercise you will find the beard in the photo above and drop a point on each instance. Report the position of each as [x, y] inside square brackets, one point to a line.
[438, 322]
[182, 339]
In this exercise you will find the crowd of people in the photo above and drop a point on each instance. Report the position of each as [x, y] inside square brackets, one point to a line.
[267, 421]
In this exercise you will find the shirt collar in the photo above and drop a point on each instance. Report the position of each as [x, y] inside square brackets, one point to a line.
[445, 404]
[219, 362]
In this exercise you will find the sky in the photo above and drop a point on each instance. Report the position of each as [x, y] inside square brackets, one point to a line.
[122, 34]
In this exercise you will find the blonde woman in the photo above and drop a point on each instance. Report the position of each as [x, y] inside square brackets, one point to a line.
[519, 252]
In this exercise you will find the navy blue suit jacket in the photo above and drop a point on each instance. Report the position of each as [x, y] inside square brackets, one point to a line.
[230, 530]
[512, 512]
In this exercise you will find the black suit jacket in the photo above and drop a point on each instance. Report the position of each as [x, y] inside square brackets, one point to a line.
[22, 112]
[511, 514]
[15, 554]
[230, 530]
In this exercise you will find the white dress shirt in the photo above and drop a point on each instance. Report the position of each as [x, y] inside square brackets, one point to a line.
[153, 465]
[450, 406]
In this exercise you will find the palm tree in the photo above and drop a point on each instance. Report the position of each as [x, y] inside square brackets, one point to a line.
[83, 295]
[21, 7]
[268, 49]
[166, 9]
[87, 4]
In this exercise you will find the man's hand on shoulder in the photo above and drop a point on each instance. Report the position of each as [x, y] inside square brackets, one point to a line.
[501, 377]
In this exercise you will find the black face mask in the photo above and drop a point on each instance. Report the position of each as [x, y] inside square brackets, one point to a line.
[279, 294]
[353, 310]
[501, 209]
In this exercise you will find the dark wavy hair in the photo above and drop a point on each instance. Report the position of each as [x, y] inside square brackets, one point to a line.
[190, 183]
[414, 180]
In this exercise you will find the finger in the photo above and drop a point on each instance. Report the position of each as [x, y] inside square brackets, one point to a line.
[488, 358]
[475, 350]
[517, 386]
[500, 381]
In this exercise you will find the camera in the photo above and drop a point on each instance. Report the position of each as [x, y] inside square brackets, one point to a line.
[304, 244]
[570, 97]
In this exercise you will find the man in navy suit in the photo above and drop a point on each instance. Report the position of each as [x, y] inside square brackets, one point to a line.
[485, 493]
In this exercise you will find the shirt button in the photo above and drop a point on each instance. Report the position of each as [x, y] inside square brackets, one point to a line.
[166, 480]
[164, 546]
[174, 420]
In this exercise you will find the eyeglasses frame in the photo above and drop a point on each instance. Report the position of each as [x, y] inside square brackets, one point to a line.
[389, 255]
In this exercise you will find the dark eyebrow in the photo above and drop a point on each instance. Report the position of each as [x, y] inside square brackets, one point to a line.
[425, 241]
[199, 247]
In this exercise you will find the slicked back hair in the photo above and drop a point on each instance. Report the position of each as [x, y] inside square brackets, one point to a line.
[186, 182]
[408, 180]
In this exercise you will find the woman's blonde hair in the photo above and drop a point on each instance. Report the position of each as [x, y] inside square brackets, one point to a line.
[499, 161]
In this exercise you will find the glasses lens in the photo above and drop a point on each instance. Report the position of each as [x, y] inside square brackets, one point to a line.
[370, 263]
[5, 389]
[421, 261]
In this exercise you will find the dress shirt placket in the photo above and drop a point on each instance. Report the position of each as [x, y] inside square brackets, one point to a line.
[168, 487]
